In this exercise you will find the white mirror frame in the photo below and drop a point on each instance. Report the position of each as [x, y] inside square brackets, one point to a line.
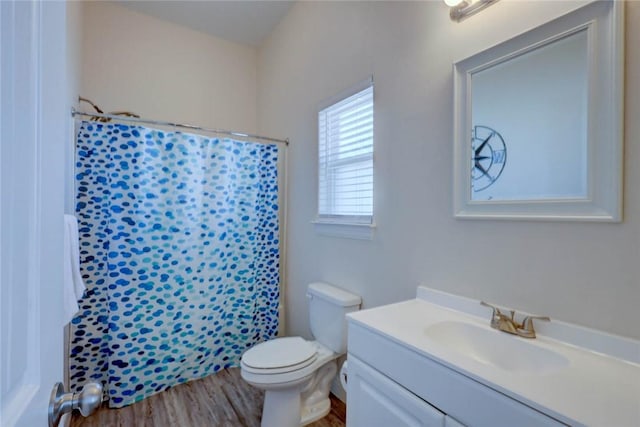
[604, 22]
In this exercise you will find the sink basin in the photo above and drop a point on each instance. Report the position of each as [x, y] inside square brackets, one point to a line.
[490, 347]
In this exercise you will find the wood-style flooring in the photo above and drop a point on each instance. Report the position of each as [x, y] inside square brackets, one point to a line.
[222, 399]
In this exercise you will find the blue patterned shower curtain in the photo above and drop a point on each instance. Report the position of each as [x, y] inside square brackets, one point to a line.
[179, 248]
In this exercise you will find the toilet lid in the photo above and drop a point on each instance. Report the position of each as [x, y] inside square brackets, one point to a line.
[289, 352]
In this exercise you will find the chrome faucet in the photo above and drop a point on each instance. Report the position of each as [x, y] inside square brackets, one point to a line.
[507, 323]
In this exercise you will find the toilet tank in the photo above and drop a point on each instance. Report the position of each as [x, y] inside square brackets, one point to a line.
[328, 306]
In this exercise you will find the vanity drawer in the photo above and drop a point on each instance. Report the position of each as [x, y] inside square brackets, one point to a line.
[464, 399]
[375, 400]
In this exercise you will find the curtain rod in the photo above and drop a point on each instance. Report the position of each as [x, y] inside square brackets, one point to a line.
[74, 113]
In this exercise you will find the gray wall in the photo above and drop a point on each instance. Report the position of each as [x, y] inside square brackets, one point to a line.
[583, 273]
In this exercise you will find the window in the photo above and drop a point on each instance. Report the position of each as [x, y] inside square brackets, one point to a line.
[345, 135]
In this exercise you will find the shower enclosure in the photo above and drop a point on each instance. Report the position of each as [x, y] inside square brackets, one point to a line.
[180, 253]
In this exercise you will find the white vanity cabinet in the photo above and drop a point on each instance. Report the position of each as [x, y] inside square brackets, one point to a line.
[375, 400]
[392, 385]
[379, 401]
[436, 361]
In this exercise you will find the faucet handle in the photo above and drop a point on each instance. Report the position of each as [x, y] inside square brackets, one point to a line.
[496, 314]
[527, 330]
[496, 310]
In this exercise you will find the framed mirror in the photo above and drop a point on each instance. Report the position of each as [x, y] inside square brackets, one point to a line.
[538, 122]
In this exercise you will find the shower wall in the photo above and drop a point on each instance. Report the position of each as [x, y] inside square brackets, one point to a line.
[160, 70]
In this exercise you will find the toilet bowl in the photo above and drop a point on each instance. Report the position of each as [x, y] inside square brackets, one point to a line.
[297, 389]
[295, 373]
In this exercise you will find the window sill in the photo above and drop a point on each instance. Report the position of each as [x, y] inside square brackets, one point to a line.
[348, 230]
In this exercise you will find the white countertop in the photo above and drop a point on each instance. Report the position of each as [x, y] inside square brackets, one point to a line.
[594, 389]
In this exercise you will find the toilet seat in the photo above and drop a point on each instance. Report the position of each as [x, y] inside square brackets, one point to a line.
[280, 355]
[286, 376]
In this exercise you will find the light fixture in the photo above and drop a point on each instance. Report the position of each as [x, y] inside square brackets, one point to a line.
[461, 9]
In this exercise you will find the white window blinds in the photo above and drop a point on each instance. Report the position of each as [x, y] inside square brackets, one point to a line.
[346, 159]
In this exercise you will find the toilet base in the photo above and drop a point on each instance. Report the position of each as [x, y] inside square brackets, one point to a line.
[315, 412]
[281, 408]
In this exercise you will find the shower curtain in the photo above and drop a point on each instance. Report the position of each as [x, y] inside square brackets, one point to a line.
[179, 248]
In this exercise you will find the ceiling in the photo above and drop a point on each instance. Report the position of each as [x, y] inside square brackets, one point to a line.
[241, 21]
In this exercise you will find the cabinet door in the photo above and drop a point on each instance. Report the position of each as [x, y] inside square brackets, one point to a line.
[374, 400]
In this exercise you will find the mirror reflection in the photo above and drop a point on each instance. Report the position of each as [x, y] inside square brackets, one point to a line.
[529, 116]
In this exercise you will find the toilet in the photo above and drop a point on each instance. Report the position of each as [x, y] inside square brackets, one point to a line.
[296, 374]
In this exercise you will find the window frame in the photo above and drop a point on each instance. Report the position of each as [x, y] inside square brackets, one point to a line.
[351, 226]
